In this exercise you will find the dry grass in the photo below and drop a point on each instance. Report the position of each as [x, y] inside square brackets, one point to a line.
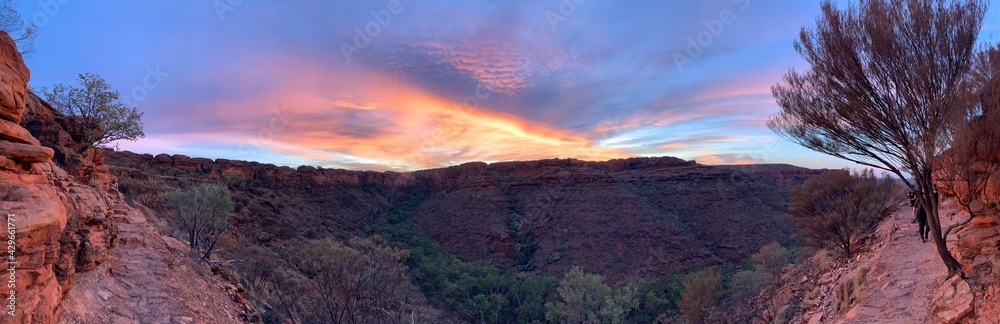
[848, 289]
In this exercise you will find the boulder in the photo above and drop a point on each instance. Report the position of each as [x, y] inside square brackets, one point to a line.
[10, 131]
[26, 153]
[953, 300]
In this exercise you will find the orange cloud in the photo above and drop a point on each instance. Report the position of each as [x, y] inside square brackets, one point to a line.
[429, 132]
[388, 124]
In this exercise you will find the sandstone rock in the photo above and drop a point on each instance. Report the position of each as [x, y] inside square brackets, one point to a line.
[15, 133]
[25, 153]
[39, 219]
[14, 77]
[983, 222]
[163, 160]
[953, 300]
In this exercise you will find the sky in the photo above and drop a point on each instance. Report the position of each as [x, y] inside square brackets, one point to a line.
[414, 84]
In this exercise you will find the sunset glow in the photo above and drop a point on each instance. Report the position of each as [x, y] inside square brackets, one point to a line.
[349, 84]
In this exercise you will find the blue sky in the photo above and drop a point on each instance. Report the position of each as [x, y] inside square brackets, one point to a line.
[416, 84]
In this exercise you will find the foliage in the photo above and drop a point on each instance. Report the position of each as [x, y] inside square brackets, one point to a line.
[475, 290]
[887, 85]
[702, 290]
[354, 283]
[202, 213]
[836, 208]
[21, 30]
[771, 258]
[103, 118]
[585, 298]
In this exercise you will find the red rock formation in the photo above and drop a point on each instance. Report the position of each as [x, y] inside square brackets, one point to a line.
[61, 220]
[29, 202]
[625, 218]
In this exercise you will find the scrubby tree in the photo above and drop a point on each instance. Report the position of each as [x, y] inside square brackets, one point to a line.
[22, 31]
[353, 283]
[702, 290]
[771, 258]
[203, 214]
[103, 118]
[836, 209]
[885, 85]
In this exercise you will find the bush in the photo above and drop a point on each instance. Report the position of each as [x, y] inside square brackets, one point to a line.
[771, 258]
[584, 298]
[702, 291]
[837, 209]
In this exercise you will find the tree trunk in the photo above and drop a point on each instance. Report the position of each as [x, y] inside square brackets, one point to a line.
[930, 203]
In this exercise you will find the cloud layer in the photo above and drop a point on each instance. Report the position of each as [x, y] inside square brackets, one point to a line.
[415, 84]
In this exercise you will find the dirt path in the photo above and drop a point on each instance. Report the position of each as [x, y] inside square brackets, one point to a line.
[146, 279]
[903, 276]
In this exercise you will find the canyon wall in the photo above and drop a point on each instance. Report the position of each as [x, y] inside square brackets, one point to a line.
[57, 225]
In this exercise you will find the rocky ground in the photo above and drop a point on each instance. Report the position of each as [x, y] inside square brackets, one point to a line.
[904, 279]
[148, 278]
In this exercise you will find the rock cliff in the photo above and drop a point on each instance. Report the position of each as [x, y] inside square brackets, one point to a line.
[661, 215]
[63, 214]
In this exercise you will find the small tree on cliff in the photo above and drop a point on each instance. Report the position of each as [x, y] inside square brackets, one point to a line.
[886, 84]
[22, 31]
[103, 118]
[203, 214]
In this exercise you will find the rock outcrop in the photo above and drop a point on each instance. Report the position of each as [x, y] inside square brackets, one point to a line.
[952, 300]
[34, 212]
[64, 223]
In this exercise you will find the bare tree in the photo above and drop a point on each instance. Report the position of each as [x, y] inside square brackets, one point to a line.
[22, 31]
[203, 213]
[355, 283]
[885, 89]
[973, 162]
[103, 117]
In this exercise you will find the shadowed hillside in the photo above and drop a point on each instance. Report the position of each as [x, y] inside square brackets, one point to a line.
[641, 217]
